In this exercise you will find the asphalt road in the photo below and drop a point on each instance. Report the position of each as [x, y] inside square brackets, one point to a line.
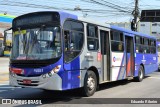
[148, 88]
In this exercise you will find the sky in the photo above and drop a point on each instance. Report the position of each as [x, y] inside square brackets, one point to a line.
[100, 10]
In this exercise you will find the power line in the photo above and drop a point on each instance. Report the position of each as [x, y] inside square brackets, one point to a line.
[110, 5]
[102, 8]
[21, 4]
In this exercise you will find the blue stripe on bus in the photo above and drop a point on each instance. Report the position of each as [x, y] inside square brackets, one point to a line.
[71, 72]
[124, 62]
[120, 69]
[70, 75]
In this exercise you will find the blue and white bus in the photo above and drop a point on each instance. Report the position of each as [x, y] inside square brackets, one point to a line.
[158, 50]
[60, 51]
[1, 47]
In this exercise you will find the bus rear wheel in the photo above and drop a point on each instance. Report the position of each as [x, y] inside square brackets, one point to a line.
[140, 74]
[90, 84]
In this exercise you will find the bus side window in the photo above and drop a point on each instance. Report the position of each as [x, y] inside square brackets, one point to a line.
[117, 44]
[73, 39]
[66, 39]
[92, 37]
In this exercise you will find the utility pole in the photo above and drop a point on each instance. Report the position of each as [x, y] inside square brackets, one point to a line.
[135, 14]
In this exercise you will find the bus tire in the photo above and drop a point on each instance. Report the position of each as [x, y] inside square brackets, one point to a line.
[140, 74]
[90, 83]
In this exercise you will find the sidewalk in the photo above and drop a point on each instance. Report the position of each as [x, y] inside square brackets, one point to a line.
[4, 69]
[4, 65]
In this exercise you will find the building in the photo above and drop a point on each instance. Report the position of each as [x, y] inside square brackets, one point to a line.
[150, 28]
[126, 25]
[5, 23]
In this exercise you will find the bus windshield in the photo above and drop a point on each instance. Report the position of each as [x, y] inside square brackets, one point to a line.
[36, 44]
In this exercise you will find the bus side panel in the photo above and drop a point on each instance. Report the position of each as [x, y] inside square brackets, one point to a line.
[118, 70]
[88, 59]
[70, 76]
[138, 60]
[149, 62]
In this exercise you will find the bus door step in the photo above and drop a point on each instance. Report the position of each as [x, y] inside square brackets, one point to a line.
[130, 77]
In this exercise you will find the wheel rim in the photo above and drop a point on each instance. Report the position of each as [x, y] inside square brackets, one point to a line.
[90, 83]
[141, 74]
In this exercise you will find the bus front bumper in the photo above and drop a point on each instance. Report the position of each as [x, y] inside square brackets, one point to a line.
[49, 83]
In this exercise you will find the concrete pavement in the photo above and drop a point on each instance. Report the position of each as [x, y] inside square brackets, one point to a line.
[4, 69]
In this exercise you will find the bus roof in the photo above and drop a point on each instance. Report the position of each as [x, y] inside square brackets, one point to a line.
[93, 22]
[65, 15]
[131, 32]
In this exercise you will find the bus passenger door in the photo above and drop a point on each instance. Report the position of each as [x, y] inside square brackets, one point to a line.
[105, 51]
[130, 61]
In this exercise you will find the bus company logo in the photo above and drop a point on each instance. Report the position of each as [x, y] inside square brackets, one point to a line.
[154, 58]
[116, 59]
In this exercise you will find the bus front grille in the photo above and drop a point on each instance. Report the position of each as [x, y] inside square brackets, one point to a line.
[33, 83]
[21, 75]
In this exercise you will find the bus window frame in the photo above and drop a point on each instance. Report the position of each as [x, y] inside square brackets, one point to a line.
[90, 37]
[121, 40]
[142, 45]
[70, 31]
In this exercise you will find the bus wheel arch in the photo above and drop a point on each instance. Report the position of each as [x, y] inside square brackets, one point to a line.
[95, 70]
[141, 73]
[91, 81]
[143, 67]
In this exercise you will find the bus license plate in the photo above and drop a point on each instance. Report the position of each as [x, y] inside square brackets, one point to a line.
[26, 81]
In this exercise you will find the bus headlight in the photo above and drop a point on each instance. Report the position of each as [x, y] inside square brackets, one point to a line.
[12, 74]
[55, 70]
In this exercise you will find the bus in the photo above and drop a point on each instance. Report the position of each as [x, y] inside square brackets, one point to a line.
[54, 50]
[5, 23]
[158, 49]
[7, 42]
[1, 47]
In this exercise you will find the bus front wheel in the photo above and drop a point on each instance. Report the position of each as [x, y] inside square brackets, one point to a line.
[140, 74]
[90, 83]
